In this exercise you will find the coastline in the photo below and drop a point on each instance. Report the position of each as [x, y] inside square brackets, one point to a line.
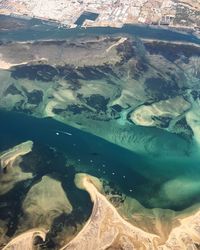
[106, 227]
[180, 29]
[104, 209]
[36, 25]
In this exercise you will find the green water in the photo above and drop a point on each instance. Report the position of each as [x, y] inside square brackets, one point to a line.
[158, 168]
[156, 180]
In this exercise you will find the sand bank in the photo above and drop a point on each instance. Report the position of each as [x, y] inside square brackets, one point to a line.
[26, 240]
[105, 227]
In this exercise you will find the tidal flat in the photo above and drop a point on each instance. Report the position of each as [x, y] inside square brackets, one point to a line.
[116, 112]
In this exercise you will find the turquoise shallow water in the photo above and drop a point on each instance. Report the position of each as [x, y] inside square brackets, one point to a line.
[169, 178]
[156, 182]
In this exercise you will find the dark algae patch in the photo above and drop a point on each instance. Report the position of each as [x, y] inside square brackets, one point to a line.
[12, 90]
[156, 165]
[98, 102]
[172, 52]
[43, 73]
[34, 97]
[44, 161]
[160, 89]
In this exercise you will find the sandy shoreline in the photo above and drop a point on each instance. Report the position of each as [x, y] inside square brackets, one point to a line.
[106, 228]
[26, 240]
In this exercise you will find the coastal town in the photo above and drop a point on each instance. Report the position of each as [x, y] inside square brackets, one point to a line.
[183, 14]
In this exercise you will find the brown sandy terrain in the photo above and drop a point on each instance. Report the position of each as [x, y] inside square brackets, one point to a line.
[169, 225]
[7, 158]
[106, 229]
[129, 226]
[11, 173]
[44, 202]
[25, 241]
[144, 115]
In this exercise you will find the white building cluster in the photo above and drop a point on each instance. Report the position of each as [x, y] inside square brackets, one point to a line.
[111, 12]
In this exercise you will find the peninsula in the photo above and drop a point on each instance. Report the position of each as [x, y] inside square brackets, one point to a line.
[106, 229]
